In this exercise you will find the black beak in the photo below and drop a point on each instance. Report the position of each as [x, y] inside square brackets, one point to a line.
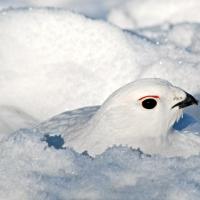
[189, 100]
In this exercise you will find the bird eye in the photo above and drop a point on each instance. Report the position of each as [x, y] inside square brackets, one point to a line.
[149, 103]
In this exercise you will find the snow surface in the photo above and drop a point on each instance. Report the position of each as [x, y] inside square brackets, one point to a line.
[91, 8]
[31, 168]
[142, 13]
[61, 52]
[53, 60]
[127, 14]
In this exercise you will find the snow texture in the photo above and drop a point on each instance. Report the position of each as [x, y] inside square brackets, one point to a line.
[145, 13]
[53, 60]
[32, 168]
[61, 52]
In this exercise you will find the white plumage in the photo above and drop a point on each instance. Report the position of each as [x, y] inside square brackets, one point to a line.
[140, 115]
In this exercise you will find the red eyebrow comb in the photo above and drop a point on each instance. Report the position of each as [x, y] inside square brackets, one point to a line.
[153, 96]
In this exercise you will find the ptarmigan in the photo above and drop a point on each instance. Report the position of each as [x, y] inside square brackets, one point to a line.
[139, 115]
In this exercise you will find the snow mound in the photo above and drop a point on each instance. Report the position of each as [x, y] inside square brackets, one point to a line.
[181, 35]
[91, 8]
[127, 14]
[12, 118]
[144, 13]
[31, 170]
[50, 53]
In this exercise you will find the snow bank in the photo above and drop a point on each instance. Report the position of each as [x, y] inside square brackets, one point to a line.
[31, 170]
[50, 53]
[128, 14]
[142, 13]
[181, 35]
[92, 8]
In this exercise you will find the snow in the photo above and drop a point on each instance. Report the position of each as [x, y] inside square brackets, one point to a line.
[57, 56]
[91, 8]
[173, 34]
[51, 38]
[143, 13]
[31, 168]
[127, 14]
[119, 173]
[53, 60]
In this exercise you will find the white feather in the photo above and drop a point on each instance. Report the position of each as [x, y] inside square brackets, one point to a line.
[122, 120]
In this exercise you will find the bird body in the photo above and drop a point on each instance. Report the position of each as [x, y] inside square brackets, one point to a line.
[138, 115]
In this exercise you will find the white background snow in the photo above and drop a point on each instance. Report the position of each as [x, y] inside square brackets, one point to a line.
[53, 60]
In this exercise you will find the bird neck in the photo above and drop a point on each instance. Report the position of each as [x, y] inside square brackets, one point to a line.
[113, 127]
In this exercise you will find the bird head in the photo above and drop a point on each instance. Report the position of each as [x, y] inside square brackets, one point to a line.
[146, 108]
